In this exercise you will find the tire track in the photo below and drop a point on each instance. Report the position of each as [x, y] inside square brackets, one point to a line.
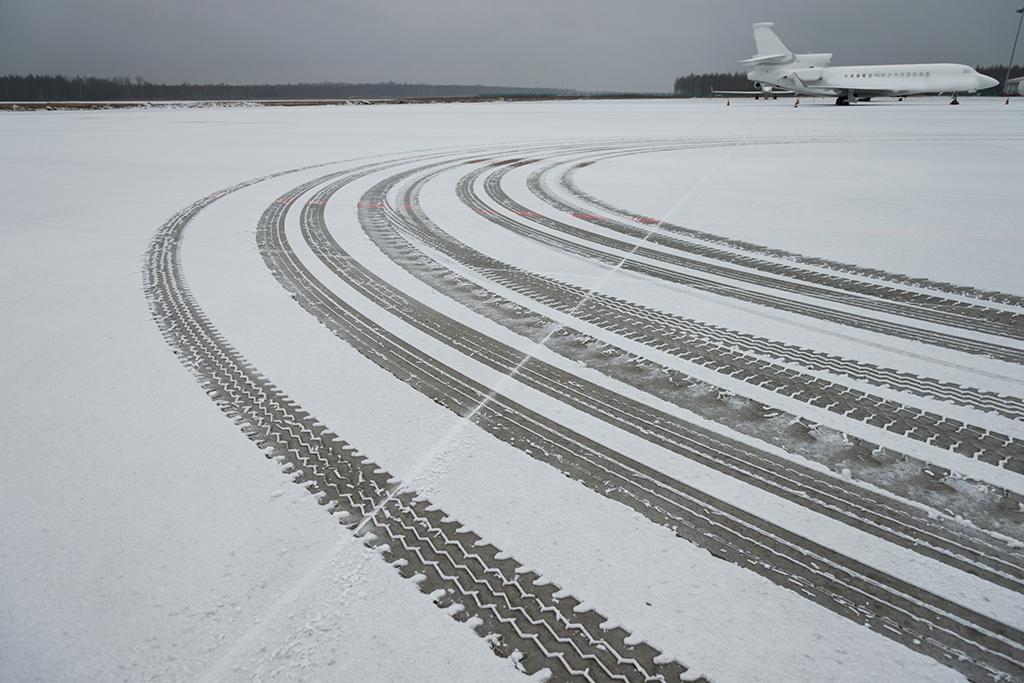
[468, 192]
[407, 226]
[568, 184]
[960, 638]
[870, 295]
[936, 311]
[1007, 406]
[517, 613]
[674, 335]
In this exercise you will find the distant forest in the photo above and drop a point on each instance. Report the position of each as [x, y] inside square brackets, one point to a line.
[63, 88]
[33, 88]
[701, 85]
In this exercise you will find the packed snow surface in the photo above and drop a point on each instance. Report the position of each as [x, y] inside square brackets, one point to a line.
[145, 537]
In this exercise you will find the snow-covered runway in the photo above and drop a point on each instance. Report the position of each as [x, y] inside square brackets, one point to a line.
[574, 370]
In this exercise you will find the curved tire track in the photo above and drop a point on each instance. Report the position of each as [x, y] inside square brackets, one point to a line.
[965, 640]
[695, 342]
[404, 224]
[567, 182]
[515, 612]
[625, 262]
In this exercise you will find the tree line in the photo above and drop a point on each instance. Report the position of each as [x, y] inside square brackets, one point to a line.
[36, 88]
[701, 85]
[55, 88]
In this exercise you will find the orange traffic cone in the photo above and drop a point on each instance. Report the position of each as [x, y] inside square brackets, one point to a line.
[796, 103]
[728, 103]
[1007, 101]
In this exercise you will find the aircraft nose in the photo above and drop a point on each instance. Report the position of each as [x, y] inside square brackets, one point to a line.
[987, 82]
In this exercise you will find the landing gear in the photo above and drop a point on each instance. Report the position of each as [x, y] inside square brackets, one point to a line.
[955, 100]
[901, 99]
[845, 99]
[863, 99]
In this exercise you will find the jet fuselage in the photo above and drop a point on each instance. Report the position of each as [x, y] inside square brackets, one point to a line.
[891, 79]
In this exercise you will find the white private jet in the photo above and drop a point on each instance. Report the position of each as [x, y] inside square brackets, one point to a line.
[774, 66]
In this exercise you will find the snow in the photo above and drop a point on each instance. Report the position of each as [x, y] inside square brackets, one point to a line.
[944, 211]
[144, 537]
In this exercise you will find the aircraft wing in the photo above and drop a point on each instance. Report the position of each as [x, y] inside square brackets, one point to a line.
[754, 93]
[867, 92]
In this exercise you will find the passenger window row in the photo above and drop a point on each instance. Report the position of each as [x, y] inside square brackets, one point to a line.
[914, 74]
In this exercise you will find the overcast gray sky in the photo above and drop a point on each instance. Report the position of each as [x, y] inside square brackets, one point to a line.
[593, 44]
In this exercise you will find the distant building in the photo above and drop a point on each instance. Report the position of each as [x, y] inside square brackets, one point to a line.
[1015, 86]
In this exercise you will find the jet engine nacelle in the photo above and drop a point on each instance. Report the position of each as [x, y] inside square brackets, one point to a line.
[810, 75]
[820, 59]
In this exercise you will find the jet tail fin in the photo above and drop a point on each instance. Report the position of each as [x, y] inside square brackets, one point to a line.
[768, 44]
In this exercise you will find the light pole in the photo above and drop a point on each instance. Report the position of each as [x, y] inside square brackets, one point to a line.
[1009, 67]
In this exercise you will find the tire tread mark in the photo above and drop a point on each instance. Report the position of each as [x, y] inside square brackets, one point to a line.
[917, 305]
[568, 183]
[600, 309]
[936, 338]
[516, 616]
[966, 640]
